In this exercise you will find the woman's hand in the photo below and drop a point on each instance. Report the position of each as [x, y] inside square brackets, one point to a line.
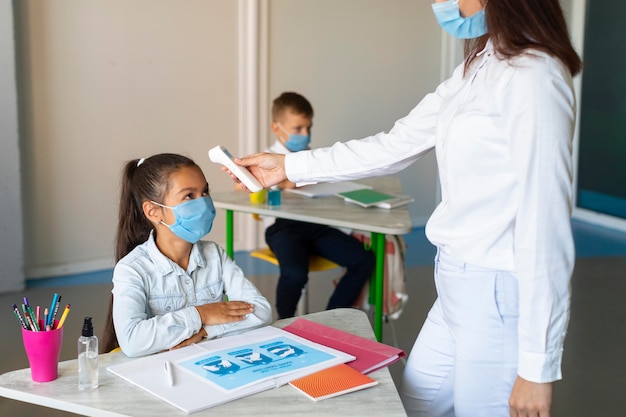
[224, 312]
[530, 399]
[268, 168]
[286, 185]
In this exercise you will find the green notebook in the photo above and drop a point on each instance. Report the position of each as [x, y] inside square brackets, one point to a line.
[365, 197]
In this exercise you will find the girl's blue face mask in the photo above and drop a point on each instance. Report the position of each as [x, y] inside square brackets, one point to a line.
[194, 218]
[296, 142]
[449, 17]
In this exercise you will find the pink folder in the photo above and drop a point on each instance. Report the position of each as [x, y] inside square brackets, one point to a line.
[370, 355]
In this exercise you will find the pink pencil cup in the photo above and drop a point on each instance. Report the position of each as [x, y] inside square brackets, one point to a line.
[43, 350]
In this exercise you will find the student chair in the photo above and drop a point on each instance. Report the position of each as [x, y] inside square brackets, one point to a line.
[316, 264]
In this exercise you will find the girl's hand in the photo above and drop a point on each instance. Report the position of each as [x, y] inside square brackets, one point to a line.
[196, 338]
[224, 312]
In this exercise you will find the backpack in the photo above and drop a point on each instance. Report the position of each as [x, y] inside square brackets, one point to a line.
[394, 288]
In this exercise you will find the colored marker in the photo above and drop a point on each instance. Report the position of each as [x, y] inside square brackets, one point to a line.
[45, 319]
[19, 317]
[25, 311]
[55, 299]
[38, 310]
[64, 316]
[29, 320]
[54, 315]
[33, 318]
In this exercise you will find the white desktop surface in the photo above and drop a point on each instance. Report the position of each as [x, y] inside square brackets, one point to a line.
[116, 397]
[332, 210]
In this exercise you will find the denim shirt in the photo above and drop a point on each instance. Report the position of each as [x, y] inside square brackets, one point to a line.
[154, 298]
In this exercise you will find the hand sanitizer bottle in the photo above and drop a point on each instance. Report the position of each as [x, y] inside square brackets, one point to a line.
[87, 358]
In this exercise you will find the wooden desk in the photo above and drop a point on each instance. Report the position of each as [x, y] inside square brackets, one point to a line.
[118, 398]
[332, 211]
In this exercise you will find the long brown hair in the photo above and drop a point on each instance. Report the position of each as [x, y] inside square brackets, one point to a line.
[142, 180]
[518, 25]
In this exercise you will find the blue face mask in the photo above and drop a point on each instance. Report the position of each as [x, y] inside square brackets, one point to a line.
[449, 17]
[194, 218]
[296, 142]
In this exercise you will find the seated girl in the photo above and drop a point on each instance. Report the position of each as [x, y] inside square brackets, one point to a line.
[171, 289]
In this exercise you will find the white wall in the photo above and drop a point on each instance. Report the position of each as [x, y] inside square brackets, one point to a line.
[11, 244]
[106, 81]
[363, 64]
[109, 80]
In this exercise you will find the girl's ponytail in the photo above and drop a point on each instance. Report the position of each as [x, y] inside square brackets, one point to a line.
[133, 228]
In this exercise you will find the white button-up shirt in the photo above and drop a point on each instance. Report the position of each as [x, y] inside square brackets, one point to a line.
[154, 297]
[503, 139]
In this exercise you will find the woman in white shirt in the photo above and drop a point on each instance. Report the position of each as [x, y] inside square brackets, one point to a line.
[501, 127]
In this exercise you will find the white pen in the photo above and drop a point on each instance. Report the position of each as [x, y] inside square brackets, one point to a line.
[170, 372]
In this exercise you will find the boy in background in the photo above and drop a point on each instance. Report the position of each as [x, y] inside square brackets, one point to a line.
[294, 241]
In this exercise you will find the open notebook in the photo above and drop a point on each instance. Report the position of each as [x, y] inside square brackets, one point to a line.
[327, 188]
[222, 370]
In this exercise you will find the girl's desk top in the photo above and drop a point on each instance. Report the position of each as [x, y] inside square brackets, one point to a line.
[115, 397]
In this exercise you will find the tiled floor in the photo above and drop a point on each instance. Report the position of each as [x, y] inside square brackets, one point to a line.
[594, 362]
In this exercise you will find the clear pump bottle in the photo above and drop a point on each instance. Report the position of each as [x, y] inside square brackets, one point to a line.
[87, 358]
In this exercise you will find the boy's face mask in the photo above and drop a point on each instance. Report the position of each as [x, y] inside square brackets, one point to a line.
[194, 218]
[449, 17]
[296, 142]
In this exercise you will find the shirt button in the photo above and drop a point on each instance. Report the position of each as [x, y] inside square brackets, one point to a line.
[168, 308]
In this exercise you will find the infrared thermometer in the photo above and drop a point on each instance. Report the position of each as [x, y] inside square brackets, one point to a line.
[220, 155]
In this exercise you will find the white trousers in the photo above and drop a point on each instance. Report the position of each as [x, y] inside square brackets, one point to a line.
[464, 361]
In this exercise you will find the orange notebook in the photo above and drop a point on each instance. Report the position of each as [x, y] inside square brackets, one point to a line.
[333, 381]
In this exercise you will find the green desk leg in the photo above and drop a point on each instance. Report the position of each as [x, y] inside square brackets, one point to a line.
[378, 242]
[229, 234]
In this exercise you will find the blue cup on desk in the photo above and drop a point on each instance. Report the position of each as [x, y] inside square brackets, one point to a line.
[273, 197]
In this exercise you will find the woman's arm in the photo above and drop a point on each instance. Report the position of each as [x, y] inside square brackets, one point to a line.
[381, 154]
[540, 129]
